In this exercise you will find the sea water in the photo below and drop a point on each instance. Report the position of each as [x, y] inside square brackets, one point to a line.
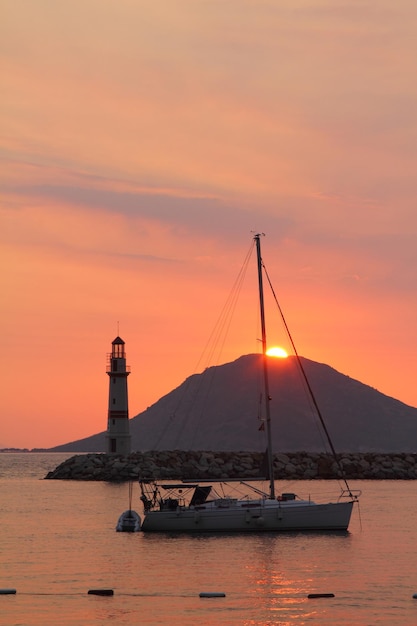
[58, 541]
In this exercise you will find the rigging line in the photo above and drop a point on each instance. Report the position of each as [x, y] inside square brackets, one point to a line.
[316, 406]
[311, 406]
[223, 323]
[207, 355]
[219, 334]
[220, 329]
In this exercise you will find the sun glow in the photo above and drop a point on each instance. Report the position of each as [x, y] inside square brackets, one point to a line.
[277, 352]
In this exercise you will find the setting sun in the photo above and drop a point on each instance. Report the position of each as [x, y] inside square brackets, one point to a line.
[277, 352]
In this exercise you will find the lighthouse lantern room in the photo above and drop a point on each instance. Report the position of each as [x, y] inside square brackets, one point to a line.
[118, 435]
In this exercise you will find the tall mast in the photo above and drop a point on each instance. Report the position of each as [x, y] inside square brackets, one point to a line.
[270, 458]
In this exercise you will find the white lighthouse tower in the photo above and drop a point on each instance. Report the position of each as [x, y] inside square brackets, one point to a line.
[118, 435]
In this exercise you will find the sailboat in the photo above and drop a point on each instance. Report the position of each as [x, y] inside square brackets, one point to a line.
[200, 507]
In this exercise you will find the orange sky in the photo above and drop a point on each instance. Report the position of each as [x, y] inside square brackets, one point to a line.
[140, 145]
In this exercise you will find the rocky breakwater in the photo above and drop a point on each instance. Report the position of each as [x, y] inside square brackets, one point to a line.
[179, 464]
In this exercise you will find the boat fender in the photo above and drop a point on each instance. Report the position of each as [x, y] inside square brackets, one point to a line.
[212, 594]
[320, 595]
[415, 596]
[260, 521]
[5, 592]
[197, 517]
[101, 592]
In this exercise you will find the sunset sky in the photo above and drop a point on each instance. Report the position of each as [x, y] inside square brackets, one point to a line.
[142, 143]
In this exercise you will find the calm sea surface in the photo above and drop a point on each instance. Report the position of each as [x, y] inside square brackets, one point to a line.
[58, 540]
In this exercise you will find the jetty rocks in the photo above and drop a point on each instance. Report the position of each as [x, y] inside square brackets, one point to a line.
[181, 464]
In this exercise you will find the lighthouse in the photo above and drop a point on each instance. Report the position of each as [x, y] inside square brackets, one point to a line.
[118, 436]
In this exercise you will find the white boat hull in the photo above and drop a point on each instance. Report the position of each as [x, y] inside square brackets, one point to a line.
[268, 515]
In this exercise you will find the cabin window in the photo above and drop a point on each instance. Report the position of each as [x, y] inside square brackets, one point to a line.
[114, 400]
[113, 445]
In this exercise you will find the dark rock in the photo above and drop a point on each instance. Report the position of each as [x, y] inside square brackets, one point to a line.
[178, 465]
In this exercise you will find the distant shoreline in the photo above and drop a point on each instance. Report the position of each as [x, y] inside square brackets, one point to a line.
[34, 450]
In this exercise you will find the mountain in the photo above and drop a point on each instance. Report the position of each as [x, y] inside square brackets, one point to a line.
[218, 410]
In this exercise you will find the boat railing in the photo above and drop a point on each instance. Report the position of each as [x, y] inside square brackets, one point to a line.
[352, 494]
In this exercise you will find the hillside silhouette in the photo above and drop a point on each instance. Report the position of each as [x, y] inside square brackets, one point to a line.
[219, 409]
